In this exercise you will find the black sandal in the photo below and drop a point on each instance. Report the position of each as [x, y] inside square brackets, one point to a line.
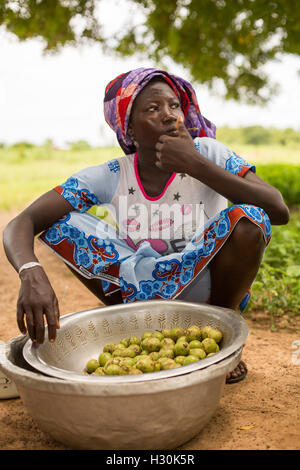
[240, 377]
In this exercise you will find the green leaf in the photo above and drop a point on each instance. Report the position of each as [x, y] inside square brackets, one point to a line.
[293, 270]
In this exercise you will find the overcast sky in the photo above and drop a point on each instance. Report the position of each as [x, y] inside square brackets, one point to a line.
[60, 96]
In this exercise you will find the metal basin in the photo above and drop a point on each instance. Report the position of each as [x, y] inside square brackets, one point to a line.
[162, 413]
[83, 334]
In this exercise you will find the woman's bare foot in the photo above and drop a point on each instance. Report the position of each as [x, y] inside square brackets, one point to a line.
[239, 373]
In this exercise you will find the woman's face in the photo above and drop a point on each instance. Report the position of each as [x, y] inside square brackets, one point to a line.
[154, 113]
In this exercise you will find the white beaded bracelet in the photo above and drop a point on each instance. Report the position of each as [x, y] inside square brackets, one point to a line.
[32, 264]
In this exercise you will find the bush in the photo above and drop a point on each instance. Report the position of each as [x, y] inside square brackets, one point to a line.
[79, 145]
[276, 289]
[258, 135]
[22, 145]
[255, 135]
[285, 178]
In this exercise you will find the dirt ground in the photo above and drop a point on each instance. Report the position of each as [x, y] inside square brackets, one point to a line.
[262, 412]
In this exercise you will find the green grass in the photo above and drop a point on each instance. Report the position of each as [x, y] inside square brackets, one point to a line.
[27, 173]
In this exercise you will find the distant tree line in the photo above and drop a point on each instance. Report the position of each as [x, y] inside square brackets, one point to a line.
[250, 135]
[258, 135]
[48, 144]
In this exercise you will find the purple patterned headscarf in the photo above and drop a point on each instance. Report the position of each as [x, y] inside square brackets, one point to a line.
[121, 92]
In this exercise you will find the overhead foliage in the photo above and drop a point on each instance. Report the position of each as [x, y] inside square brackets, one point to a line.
[217, 41]
[52, 20]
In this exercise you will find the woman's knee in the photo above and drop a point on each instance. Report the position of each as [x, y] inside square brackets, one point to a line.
[248, 234]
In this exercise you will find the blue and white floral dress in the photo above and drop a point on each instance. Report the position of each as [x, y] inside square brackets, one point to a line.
[149, 247]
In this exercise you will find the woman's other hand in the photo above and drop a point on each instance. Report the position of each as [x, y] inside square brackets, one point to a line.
[36, 300]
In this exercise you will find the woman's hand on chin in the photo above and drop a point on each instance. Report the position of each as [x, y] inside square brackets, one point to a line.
[176, 152]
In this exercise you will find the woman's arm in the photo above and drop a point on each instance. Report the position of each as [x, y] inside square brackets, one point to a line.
[180, 155]
[247, 190]
[36, 296]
